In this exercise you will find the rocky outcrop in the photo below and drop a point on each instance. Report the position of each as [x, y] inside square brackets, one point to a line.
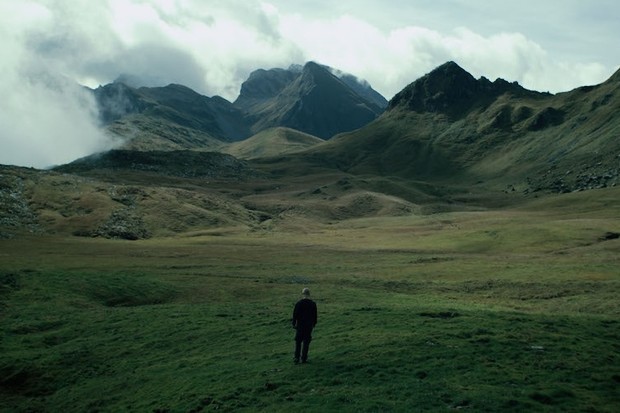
[581, 177]
[15, 212]
[122, 224]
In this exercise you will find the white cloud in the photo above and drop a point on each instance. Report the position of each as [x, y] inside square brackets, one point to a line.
[212, 46]
[390, 60]
[45, 118]
[48, 121]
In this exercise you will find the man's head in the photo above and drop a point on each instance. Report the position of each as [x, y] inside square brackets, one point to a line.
[305, 292]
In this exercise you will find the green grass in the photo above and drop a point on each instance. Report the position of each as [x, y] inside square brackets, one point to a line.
[512, 310]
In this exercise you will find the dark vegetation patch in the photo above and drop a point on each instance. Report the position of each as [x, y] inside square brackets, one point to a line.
[131, 298]
[369, 309]
[126, 291]
[441, 314]
[609, 236]
[9, 282]
[185, 164]
[546, 118]
[26, 379]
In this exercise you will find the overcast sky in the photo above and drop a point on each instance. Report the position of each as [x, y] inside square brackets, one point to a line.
[213, 45]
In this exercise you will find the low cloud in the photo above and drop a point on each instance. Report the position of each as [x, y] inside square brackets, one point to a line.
[46, 118]
[48, 121]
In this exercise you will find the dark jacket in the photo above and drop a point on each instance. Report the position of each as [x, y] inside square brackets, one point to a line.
[305, 315]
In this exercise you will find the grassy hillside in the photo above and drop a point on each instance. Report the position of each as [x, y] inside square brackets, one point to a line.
[499, 135]
[117, 204]
[152, 133]
[505, 310]
[125, 194]
[272, 142]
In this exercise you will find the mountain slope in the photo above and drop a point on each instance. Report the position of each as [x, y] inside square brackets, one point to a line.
[168, 118]
[449, 126]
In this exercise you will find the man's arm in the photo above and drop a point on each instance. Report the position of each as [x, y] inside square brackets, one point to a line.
[316, 318]
[295, 312]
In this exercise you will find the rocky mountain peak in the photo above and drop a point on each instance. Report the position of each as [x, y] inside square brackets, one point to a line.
[264, 84]
[116, 100]
[312, 98]
[451, 90]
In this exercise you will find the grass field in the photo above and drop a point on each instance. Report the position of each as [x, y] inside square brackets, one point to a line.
[504, 310]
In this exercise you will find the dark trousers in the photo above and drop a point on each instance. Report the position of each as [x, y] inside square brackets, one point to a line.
[302, 344]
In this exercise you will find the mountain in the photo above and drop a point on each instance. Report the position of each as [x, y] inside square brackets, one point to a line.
[215, 115]
[311, 99]
[173, 117]
[449, 89]
[448, 126]
[362, 88]
[264, 85]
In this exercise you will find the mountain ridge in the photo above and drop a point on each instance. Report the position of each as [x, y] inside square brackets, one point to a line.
[176, 117]
[448, 125]
[450, 89]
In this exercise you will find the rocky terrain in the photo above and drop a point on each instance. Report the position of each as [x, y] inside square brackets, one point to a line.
[15, 213]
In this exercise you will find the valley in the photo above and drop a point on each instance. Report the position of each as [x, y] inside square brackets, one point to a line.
[462, 246]
[506, 309]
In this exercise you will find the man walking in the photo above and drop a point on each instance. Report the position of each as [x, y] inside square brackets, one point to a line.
[304, 320]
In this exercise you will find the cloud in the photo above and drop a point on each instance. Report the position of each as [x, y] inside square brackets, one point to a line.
[212, 46]
[390, 60]
[45, 117]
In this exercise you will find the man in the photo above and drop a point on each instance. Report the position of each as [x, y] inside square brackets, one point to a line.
[304, 320]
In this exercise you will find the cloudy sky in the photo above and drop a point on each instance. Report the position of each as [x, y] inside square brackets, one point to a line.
[213, 45]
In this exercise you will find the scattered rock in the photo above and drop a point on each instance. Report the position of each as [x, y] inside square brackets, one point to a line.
[586, 177]
[123, 224]
[15, 211]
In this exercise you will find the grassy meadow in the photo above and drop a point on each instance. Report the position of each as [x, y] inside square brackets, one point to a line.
[513, 309]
